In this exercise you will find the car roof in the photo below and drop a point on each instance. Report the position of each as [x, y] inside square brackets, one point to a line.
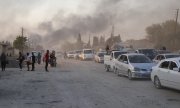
[177, 60]
[145, 48]
[119, 51]
[87, 49]
[129, 54]
[169, 54]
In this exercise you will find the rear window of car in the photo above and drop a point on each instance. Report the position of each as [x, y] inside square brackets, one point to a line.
[101, 54]
[116, 54]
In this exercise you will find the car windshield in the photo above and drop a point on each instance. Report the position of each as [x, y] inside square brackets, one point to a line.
[139, 59]
[172, 56]
[88, 51]
[101, 54]
[116, 54]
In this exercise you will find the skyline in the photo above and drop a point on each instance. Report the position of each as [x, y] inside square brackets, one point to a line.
[58, 20]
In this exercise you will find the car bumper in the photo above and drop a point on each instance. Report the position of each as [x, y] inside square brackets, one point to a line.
[101, 61]
[141, 75]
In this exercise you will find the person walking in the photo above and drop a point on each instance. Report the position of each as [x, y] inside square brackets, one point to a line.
[33, 61]
[3, 61]
[46, 57]
[21, 59]
[39, 58]
[28, 61]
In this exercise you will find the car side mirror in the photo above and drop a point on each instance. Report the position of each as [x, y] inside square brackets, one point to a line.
[176, 69]
[126, 62]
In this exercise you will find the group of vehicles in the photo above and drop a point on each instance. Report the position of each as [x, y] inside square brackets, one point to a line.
[163, 68]
[85, 54]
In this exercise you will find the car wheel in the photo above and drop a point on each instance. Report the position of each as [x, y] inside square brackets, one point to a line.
[118, 73]
[106, 68]
[157, 82]
[130, 75]
[114, 70]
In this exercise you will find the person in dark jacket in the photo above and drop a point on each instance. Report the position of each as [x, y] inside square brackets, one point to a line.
[3, 59]
[46, 57]
[21, 59]
[33, 61]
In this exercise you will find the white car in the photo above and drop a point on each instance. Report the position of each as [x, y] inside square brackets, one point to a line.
[70, 54]
[167, 73]
[160, 57]
[134, 65]
[99, 57]
[87, 54]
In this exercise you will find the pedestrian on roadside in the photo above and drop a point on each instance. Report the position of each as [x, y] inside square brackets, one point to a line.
[39, 58]
[46, 57]
[28, 61]
[21, 59]
[3, 59]
[33, 61]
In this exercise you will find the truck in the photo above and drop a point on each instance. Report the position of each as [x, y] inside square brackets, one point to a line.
[109, 59]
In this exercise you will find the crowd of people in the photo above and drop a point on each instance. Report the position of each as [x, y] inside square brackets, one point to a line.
[30, 59]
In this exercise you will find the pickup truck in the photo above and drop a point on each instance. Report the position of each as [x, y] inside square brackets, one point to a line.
[109, 60]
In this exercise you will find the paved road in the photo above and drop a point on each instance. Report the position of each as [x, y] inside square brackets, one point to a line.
[80, 84]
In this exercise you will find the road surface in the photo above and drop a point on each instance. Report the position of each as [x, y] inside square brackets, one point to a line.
[80, 84]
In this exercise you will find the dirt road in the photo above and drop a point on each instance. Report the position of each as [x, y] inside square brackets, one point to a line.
[80, 84]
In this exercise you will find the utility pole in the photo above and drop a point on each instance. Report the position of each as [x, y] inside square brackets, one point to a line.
[22, 32]
[177, 14]
[23, 39]
[112, 32]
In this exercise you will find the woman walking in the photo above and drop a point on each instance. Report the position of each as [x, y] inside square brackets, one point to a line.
[46, 57]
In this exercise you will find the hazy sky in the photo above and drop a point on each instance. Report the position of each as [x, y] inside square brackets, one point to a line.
[59, 20]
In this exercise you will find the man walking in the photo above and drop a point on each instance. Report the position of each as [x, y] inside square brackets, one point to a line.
[3, 61]
[28, 61]
[46, 60]
[33, 61]
[21, 59]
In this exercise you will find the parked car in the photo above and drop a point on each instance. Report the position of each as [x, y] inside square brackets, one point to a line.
[109, 59]
[70, 54]
[167, 73]
[134, 65]
[99, 57]
[87, 54]
[77, 54]
[160, 57]
[151, 53]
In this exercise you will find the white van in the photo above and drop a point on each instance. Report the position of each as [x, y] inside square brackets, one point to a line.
[87, 54]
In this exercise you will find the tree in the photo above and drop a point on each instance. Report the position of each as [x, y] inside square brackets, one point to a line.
[79, 43]
[95, 41]
[102, 41]
[20, 43]
[164, 35]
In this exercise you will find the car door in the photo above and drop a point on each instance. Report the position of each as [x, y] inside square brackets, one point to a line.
[174, 75]
[125, 65]
[119, 64]
[163, 72]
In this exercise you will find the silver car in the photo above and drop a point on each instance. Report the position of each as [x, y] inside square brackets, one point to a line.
[134, 65]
